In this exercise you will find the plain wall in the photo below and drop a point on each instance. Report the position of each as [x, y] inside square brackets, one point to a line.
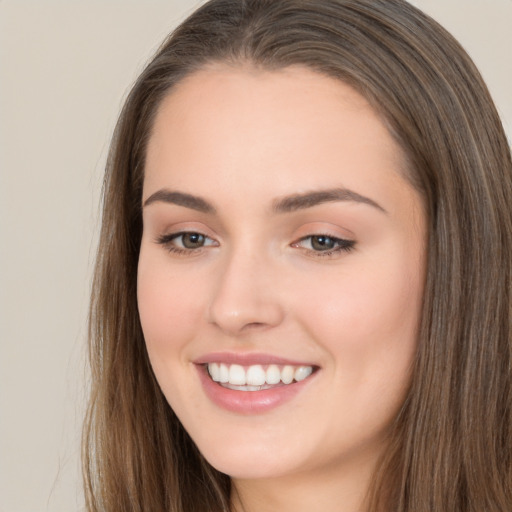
[65, 67]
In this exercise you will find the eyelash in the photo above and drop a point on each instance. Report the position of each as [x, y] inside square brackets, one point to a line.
[167, 242]
[340, 244]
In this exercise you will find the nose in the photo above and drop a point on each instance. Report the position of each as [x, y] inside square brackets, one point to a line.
[246, 296]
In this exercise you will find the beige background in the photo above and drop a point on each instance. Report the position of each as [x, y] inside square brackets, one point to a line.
[64, 68]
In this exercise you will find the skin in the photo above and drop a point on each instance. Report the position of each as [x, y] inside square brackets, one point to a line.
[242, 139]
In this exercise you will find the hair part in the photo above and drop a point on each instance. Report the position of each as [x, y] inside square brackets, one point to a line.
[451, 445]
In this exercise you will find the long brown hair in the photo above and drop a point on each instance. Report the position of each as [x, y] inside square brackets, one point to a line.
[451, 446]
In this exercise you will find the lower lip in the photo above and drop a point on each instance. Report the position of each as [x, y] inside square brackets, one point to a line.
[249, 402]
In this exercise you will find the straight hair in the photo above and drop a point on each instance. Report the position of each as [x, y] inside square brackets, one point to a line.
[450, 446]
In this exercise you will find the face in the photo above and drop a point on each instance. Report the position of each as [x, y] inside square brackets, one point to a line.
[281, 270]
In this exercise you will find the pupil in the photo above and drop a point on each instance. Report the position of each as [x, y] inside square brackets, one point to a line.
[193, 240]
[322, 243]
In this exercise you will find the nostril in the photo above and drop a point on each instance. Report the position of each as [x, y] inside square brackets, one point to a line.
[254, 325]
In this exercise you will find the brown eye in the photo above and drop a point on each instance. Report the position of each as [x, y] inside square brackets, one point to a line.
[186, 242]
[322, 243]
[192, 240]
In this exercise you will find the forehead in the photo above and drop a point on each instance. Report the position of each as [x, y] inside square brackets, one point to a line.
[247, 126]
[246, 97]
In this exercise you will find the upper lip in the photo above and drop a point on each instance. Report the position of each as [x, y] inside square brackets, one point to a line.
[248, 359]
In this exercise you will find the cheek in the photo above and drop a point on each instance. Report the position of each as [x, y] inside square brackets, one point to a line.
[168, 311]
[168, 308]
[366, 317]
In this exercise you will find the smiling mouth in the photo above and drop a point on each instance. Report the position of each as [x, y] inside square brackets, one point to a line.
[257, 377]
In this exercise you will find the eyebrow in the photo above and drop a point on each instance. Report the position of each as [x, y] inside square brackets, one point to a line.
[180, 199]
[286, 204]
[310, 199]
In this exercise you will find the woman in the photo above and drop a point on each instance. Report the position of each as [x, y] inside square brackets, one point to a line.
[302, 294]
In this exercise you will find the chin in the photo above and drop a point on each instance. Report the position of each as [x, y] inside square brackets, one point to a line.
[249, 468]
[253, 460]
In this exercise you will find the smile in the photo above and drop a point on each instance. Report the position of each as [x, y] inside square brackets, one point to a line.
[253, 383]
[256, 377]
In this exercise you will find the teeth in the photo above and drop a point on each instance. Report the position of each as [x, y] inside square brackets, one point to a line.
[303, 372]
[255, 376]
[237, 375]
[213, 369]
[223, 373]
[273, 374]
[287, 374]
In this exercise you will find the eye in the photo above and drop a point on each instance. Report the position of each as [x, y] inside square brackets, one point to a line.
[190, 240]
[324, 245]
[185, 241]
